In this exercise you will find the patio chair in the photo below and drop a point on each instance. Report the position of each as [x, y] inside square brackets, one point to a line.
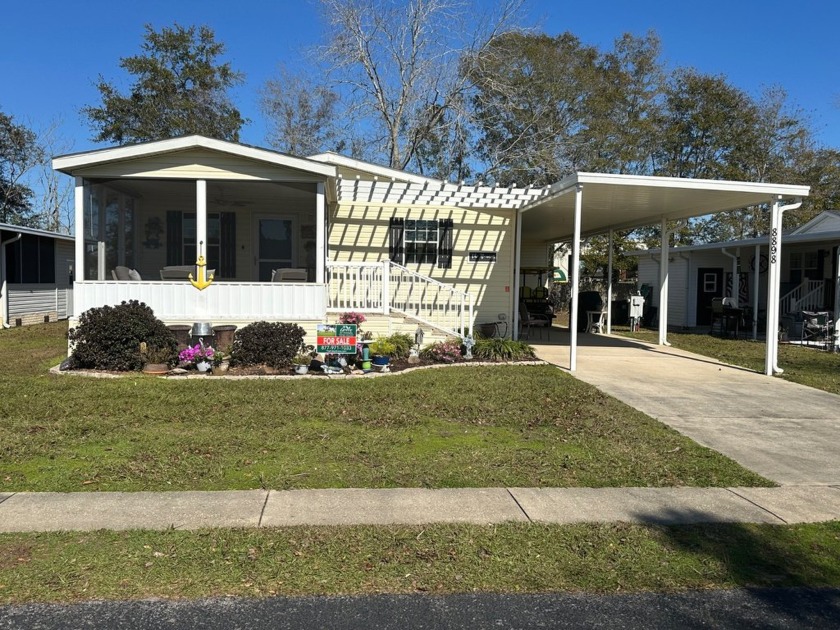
[816, 327]
[287, 274]
[528, 320]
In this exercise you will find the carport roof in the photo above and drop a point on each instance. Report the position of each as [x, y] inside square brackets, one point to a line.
[611, 201]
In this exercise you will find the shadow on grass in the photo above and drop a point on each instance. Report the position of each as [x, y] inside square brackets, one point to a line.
[779, 564]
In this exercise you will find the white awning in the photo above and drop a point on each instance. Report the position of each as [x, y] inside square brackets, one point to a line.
[628, 201]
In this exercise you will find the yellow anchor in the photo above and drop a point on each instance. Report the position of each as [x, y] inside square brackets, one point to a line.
[203, 281]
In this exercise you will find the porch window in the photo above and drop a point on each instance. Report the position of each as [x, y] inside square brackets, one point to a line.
[109, 219]
[421, 241]
[31, 260]
[219, 250]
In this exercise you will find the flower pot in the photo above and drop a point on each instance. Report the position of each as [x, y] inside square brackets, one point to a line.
[155, 368]
[202, 366]
[223, 367]
[301, 369]
[380, 360]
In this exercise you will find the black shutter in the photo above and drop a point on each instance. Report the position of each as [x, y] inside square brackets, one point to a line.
[227, 226]
[174, 238]
[396, 238]
[445, 229]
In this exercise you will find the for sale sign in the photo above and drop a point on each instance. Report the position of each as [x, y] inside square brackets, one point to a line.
[337, 338]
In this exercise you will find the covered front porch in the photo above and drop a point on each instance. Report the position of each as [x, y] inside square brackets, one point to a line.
[146, 214]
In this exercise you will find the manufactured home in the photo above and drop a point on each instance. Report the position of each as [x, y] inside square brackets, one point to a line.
[36, 275]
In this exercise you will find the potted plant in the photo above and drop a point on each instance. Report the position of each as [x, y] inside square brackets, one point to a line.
[221, 362]
[199, 355]
[156, 359]
[302, 359]
[381, 350]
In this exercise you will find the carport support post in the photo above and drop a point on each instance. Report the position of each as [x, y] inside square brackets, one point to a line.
[81, 228]
[772, 333]
[573, 316]
[836, 341]
[756, 289]
[609, 284]
[663, 285]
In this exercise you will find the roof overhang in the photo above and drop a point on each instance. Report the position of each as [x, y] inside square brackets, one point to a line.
[611, 201]
[8, 227]
[71, 163]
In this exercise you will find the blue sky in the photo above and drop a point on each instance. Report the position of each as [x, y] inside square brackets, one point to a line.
[52, 52]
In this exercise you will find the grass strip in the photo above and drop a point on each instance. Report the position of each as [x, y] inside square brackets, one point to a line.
[614, 558]
[456, 427]
[806, 366]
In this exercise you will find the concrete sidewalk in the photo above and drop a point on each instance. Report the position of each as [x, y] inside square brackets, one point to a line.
[785, 432]
[31, 512]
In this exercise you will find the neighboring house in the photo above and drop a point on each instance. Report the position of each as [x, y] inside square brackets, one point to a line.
[699, 273]
[36, 275]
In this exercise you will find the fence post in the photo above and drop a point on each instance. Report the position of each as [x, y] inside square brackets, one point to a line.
[386, 287]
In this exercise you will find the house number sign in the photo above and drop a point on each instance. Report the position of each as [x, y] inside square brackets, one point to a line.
[482, 256]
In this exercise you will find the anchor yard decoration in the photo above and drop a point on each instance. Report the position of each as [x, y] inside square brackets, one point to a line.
[201, 265]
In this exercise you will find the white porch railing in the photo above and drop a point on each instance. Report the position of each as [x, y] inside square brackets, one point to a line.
[221, 301]
[805, 297]
[386, 287]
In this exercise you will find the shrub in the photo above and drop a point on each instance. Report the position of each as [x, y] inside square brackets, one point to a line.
[500, 349]
[402, 344]
[267, 343]
[448, 351]
[382, 347]
[109, 337]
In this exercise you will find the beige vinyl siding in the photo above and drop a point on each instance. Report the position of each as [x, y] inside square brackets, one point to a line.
[197, 164]
[359, 233]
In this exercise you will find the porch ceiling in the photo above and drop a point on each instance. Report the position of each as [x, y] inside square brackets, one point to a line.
[625, 201]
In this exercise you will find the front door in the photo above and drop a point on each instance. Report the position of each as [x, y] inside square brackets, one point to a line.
[275, 245]
[709, 286]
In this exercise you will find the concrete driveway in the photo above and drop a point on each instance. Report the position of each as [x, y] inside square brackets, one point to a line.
[786, 432]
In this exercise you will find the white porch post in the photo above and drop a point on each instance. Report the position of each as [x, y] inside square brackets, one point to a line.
[573, 316]
[320, 235]
[200, 219]
[663, 285]
[79, 201]
[756, 289]
[609, 284]
[517, 259]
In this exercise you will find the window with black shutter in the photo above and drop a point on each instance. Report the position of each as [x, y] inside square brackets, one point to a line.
[396, 236]
[445, 231]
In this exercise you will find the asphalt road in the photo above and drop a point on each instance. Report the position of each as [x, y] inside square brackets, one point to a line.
[743, 608]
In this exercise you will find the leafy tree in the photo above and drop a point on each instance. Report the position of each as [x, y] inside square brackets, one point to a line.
[179, 89]
[19, 153]
[531, 97]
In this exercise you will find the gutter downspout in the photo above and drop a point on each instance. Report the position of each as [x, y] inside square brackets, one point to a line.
[4, 297]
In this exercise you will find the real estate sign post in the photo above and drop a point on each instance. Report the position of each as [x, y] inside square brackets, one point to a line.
[336, 338]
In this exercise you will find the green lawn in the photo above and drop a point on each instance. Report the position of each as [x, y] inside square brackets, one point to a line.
[807, 366]
[455, 427]
[298, 561]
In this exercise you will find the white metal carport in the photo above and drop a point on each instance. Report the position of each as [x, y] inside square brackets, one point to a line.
[587, 204]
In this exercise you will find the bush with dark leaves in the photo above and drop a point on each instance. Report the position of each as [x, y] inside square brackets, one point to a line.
[267, 343]
[109, 337]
